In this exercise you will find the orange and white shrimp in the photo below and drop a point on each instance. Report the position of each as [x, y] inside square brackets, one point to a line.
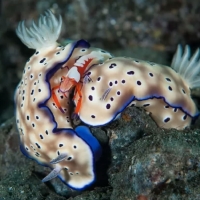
[77, 76]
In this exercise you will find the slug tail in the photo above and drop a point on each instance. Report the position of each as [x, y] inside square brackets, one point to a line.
[188, 67]
[42, 35]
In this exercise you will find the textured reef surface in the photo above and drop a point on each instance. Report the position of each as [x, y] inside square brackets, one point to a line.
[139, 161]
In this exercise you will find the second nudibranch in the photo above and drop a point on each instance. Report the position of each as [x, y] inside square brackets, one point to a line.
[46, 133]
[164, 92]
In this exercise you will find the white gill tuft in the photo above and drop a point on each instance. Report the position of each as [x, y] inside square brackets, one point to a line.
[188, 68]
[44, 34]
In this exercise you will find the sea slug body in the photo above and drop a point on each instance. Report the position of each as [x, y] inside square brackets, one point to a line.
[164, 92]
[46, 133]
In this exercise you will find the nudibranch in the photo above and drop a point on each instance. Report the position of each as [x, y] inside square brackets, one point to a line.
[43, 110]
[163, 91]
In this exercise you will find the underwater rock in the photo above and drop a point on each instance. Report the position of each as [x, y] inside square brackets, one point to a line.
[159, 164]
[140, 160]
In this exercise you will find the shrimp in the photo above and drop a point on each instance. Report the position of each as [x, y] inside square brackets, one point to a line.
[73, 79]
